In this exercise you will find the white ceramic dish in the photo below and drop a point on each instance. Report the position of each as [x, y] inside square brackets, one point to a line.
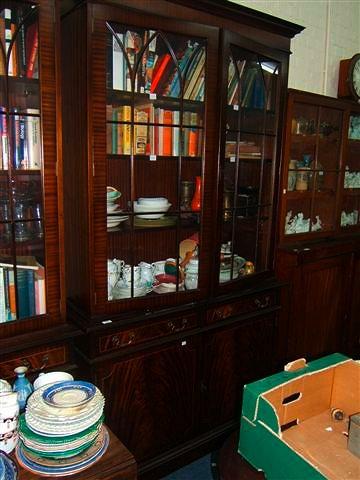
[112, 207]
[51, 378]
[141, 209]
[152, 200]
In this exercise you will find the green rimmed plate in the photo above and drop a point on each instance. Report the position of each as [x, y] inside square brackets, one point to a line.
[25, 431]
[57, 455]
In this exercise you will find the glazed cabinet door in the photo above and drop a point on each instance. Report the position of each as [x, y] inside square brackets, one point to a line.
[152, 158]
[151, 397]
[253, 76]
[232, 357]
[29, 222]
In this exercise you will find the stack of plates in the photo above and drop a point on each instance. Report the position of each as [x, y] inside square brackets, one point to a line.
[62, 432]
[8, 470]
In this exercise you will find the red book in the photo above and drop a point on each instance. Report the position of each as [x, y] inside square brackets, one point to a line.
[32, 43]
[167, 133]
[159, 70]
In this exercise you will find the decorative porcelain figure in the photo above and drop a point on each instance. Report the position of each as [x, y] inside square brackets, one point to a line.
[9, 415]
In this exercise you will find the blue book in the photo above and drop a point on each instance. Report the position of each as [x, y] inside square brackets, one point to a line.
[31, 291]
[23, 292]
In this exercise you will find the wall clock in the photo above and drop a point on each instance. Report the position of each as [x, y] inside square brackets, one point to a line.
[349, 78]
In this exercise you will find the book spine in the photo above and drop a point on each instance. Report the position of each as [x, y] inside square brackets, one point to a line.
[193, 135]
[14, 52]
[33, 55]
[117, 63]
[163, 62]
[114, 127]
[33, 142]
[12, 297]
[2, 39]
[141, 132]
[167, 133]
[150, 62]
[22, 46]
[8, 34]
[6, 293]
[40, 286]
[186, 131]
[4, 142]
[23, 292]
[31, 291]
[119, 129]
[176, 134]
[3, 316]
[126, 117]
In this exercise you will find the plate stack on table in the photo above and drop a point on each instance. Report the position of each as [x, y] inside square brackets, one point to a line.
[62, 430]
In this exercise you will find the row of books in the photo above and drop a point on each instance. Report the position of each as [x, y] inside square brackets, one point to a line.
[250, 85]
[21, 141]
[244, 149]
[154, 133]
[30, 282]
[156, 70]
[23, 55]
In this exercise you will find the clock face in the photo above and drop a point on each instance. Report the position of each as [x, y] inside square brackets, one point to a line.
[356, 77]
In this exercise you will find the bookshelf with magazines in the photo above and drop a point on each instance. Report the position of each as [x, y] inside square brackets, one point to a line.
[30, 267]
[153, 209]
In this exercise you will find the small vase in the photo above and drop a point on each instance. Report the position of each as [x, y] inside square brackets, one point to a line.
[22, 386]
[196, 200]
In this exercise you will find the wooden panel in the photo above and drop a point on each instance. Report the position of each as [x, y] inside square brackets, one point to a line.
[245, 305]
[120, 340]
[35, 359]
[151, 398]
[233, 357]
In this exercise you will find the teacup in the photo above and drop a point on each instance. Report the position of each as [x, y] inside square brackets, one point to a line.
[125, 276]
[147, 273]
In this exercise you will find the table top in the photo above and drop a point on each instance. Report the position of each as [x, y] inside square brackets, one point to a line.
[116, 464]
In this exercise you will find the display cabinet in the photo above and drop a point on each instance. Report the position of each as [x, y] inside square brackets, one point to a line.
[319, 225]
[171, 141]
[320, 187]
[31, 297]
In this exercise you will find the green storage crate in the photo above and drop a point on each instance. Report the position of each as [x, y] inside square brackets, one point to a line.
[288, 429]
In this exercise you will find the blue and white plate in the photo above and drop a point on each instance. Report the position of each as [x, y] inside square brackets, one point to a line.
[60, 468]
[69, 394]
[8, 470]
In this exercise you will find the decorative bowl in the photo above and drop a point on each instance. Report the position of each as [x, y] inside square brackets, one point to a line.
[51, 378]
[157, 211]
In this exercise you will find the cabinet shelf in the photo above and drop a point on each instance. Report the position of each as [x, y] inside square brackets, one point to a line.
[127, 98]
[352, 192]
[114, 156]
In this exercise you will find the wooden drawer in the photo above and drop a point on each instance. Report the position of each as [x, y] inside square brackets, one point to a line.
[136, 335]
[35, 359]
[242, 306]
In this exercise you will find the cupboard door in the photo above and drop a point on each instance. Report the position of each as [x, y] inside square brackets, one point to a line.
[29, 226]
[353, 332]
[232, 357]
[252, 81]
[151, 398]
[319, 303]
[151, 180]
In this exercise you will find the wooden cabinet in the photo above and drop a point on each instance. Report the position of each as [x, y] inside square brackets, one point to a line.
[171, 118]
[319, 226]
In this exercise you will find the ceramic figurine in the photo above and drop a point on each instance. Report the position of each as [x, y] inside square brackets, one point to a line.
[22, 386]
[9, 414]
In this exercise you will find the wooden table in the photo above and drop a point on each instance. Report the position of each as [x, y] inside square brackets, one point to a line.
[116, 464]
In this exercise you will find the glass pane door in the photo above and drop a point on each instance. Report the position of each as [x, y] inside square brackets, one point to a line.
[313, 169]
[247, 166]
[155, 123]
[22, 251]
[350, 210]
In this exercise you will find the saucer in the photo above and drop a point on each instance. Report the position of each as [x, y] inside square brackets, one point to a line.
[69, 394]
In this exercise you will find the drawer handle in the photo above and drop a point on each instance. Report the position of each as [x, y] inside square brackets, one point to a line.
[26, 363]
[116, 342]
[264, 304]
[174, 329]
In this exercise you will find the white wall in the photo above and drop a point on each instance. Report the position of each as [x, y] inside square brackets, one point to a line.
[332, 33]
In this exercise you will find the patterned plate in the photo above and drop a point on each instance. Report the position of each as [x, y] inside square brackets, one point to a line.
[69, 394]
[60, 467]
[8, 469]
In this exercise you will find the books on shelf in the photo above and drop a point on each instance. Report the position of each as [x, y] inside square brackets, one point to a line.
[26, 134]
[29, 280]
[24, 52]
[156, 131]
[156, 71]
